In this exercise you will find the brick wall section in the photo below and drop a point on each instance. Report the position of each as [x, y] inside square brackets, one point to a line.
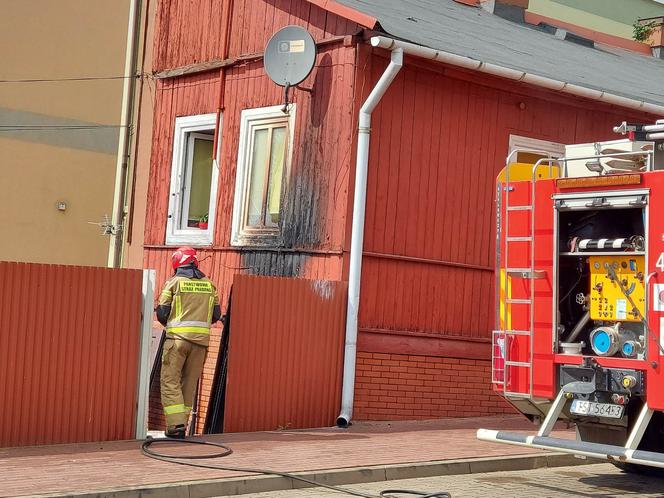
[156, 420]
[403, 387]
[208, 376]
[394, 387]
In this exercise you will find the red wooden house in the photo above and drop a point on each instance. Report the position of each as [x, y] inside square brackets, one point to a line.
[267, 193]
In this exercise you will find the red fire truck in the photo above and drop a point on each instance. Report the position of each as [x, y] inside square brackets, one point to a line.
[580, 297]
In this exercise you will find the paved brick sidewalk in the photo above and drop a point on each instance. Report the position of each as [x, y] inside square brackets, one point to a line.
[599, 480]
[90, 467]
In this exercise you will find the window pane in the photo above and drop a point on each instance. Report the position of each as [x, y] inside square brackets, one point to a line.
[259, 162]
[277, 155]
[201, 181]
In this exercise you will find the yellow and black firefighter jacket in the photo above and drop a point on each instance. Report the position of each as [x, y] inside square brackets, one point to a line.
[188, 305]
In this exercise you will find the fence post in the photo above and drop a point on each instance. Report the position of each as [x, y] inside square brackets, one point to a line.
[144, 366]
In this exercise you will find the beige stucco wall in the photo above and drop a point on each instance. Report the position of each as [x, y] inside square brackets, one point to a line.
[614, 17]
[32, 227]
[44, 163]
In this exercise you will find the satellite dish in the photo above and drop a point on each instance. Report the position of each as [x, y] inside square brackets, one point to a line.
[290, 56]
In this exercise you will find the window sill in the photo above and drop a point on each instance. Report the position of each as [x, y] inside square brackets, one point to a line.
[258, 241]
[192, 239]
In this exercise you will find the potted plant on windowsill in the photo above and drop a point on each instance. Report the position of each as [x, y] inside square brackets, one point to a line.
[203, 222]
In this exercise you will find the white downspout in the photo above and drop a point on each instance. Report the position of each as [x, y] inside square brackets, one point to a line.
[357, 236]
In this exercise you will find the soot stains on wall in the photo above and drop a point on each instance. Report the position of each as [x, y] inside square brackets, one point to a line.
[305, 199]
[273, 263]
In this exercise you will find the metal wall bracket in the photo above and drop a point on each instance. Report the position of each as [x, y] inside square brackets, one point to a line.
[598, 202]
[527, 274]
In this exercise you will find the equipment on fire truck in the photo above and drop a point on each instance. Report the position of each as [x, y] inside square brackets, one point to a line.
[635, 243]
[609, 340]
[605, 158]
[580, 296]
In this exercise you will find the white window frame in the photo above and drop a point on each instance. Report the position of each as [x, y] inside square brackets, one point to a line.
[271, 237]
[185, 129]
[534, 144]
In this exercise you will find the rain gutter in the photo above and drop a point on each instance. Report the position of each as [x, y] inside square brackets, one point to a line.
[515, 75]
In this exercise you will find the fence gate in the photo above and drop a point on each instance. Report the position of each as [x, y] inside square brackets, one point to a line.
[285, 353]
[70, 353]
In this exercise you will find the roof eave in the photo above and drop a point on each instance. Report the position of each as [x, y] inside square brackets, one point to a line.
[516, 75]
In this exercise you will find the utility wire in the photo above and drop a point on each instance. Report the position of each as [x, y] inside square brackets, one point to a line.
[59, 126]
[78, 78]
[11, 128]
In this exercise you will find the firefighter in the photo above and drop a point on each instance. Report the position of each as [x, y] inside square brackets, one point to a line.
[187, 307]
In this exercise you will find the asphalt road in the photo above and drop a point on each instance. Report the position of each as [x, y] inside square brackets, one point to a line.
[598, 480]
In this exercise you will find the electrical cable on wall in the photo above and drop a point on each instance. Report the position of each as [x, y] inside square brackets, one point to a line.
[75, 78]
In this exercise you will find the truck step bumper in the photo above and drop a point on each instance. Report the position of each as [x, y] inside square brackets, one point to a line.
[591, 450]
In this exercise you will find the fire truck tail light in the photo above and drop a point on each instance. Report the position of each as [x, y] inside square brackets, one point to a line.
[599, 181]
[619, 399]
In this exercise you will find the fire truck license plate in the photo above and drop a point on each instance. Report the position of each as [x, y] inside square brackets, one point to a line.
[590, 408]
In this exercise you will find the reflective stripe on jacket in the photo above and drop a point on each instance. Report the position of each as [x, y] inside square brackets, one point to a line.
[192, 302]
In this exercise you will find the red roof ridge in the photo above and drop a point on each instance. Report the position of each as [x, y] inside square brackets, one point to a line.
[346, 12]
[597, 36]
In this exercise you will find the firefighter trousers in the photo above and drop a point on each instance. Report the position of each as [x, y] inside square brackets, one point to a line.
[181, 367]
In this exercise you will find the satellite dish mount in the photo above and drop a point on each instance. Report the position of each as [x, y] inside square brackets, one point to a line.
[284, 109]
[289, 58]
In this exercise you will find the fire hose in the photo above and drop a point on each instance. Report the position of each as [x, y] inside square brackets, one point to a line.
[223, 451]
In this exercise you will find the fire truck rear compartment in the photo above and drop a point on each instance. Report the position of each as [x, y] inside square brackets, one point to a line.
[601, 273]
[600, 296]
[600, 270]
[576, 338]
[597, 246]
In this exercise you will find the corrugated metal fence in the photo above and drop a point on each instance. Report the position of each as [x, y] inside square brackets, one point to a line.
[69, 355]
[285, 353]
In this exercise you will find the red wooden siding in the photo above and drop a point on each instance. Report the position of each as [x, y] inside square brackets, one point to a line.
[285, 354]
[190, 31]
[321, 155]
[440, 138]
[319, 168]
[69, 358]
[323, 138]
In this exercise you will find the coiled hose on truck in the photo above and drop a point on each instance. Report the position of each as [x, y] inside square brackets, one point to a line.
[223, 450]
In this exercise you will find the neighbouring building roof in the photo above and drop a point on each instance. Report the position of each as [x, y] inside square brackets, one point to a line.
[472, 32]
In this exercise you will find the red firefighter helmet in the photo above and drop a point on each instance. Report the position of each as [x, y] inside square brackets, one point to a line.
[184, 256]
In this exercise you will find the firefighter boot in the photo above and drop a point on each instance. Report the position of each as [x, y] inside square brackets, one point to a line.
[175, 432]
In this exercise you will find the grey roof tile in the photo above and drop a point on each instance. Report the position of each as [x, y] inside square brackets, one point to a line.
[472, 32]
